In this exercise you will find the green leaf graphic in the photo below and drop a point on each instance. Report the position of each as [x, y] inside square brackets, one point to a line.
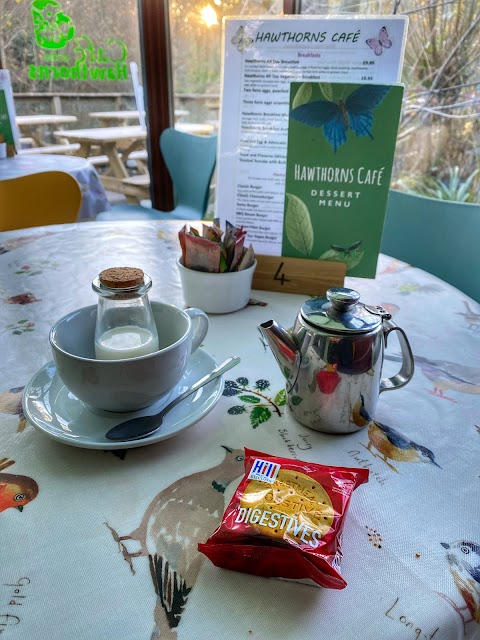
[326, 89]
[296, 400]
[281, 398]
[298, 225]
[251, 399]
[259, 415]
[352, 260]
[332, 255]
[303, 95]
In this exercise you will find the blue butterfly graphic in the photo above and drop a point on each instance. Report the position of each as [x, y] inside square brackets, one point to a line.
[337, 118]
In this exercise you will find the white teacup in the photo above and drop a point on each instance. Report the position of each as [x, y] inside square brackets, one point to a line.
[128, 384]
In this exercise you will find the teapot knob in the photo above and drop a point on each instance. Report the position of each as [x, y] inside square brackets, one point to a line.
[342, 299]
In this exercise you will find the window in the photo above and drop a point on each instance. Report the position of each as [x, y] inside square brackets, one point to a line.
[438, 144]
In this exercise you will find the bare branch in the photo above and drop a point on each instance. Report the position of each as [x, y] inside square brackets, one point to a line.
[454, 50]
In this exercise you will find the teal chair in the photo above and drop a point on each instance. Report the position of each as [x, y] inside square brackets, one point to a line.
[190, 160]
[439, 236]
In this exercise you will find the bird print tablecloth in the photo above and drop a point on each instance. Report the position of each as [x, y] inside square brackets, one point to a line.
[94, 197]
[103, 544]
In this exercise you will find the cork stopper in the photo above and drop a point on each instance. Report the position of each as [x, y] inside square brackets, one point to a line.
[121, 277]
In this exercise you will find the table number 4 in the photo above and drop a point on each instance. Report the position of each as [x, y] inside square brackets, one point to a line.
[297, 275]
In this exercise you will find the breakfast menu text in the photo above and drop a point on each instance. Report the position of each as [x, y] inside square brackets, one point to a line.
[260, 59]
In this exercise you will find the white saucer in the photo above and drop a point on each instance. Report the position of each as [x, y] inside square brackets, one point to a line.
[53, 409]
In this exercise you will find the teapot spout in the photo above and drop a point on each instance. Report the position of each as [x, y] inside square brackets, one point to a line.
[282, 345]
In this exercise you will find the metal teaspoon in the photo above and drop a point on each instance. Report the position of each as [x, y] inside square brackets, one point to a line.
[143, 426]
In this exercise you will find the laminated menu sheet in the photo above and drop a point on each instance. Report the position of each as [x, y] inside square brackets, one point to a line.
[261, 57]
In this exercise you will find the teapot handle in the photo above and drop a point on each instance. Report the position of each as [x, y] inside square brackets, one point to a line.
[408, 367]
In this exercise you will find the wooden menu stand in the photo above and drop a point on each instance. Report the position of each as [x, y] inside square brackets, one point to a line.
[297, 275]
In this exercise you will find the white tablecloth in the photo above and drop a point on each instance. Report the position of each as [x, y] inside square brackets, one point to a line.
[94, 198]
[76, 562]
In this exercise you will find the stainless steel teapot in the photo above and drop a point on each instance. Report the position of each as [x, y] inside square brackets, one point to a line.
[332, 360]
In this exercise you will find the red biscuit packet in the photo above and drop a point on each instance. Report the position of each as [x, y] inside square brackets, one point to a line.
[286, 520]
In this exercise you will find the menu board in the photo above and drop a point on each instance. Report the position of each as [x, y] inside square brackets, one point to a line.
[8, 128]
[341, 143]
[261, 57]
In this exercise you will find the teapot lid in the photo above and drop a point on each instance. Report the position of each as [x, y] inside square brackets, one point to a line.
[340, 311]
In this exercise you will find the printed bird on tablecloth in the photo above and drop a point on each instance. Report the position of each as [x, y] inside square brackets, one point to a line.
[11, 402]
[15, 491]
[464, 560]
[179, 517]
[387, 441]
[446, 375]
[394, 446]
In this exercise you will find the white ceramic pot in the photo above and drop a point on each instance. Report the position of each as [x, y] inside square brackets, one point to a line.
[216, 292]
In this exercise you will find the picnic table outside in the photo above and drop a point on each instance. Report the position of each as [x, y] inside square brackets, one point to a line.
[34, 126]
[112, 118]
[118, 144]
[195, 129]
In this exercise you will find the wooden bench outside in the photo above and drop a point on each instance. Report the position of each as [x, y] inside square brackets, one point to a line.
[54, 148]
[103, 160]
[142, 180]
[98, 161]
[141, 154]
[137, 187]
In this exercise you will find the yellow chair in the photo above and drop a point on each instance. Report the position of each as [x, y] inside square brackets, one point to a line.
[37, 199]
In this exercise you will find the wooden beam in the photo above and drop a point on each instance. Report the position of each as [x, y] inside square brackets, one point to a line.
[158, 91]
[289, 7]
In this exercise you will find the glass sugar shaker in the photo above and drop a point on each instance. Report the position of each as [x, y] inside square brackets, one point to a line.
[125, 326]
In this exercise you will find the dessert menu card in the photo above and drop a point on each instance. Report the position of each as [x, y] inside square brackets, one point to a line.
[341, 144]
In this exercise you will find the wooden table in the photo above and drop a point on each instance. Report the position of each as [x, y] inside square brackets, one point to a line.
[109, 140]
[117, 143]
[33, 126]
[195, 129]
[112, 118]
